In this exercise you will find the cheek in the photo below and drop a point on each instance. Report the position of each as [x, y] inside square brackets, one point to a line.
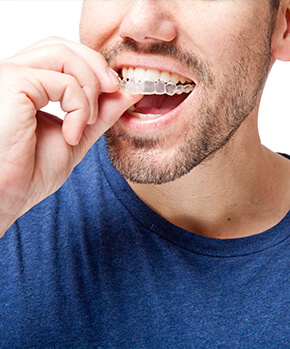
[100, 21]
[222, 30]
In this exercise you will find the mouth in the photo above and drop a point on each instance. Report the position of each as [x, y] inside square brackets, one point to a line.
[163, 92]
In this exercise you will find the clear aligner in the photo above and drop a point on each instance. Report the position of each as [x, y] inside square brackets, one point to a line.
[149, 87]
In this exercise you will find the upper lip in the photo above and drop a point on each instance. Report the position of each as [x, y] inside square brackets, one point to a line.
[160, 63]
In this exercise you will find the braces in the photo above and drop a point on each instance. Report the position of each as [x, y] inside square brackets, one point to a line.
[149, 87]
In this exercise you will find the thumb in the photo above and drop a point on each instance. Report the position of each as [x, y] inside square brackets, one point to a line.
[111, 108]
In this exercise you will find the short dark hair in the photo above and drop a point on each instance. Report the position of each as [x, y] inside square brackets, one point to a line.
[275, 5]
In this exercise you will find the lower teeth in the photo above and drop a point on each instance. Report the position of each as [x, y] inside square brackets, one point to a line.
[145, 116]
[149, 87]
[132, 112]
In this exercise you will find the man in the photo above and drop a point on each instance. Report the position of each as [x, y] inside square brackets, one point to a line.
[184, 244]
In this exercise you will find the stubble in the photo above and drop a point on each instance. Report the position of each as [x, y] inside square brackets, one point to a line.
[143, 159]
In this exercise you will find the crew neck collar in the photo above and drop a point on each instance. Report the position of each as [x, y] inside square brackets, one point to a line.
[178, 236]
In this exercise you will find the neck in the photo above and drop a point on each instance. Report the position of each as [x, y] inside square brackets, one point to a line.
[241, 191]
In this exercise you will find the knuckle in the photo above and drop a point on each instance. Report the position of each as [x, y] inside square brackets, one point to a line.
[72, 81]
[59, 50]
[53, 40]
[8, 71]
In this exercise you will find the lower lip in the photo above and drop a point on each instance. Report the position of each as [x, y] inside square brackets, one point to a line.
[135, 124]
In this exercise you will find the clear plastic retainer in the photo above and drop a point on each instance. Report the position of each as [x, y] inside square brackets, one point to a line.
[149, 87]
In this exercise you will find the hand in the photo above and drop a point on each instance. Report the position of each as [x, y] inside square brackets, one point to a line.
[37, 150]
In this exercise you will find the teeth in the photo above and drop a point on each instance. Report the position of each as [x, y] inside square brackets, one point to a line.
[125, 73]
[130, 73]
[145, 116]
[152, 74]
[151, 81]
[139, 74]
[174, 78]
[150, 87]
[183, 80]
[164, 76]
[132, 112]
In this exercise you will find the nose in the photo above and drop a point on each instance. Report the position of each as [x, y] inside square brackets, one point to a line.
[148, 21]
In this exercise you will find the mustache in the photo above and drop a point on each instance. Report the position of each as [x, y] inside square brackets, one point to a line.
[171, 50]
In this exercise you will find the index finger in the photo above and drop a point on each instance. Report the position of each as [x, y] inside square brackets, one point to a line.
[95, 60]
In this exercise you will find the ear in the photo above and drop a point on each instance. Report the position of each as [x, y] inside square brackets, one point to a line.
[281, 35]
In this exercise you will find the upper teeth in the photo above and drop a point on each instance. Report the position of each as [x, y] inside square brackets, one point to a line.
[150, 81]
[152, 74]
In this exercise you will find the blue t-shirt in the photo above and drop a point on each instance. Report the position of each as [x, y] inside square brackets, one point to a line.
[93, 267]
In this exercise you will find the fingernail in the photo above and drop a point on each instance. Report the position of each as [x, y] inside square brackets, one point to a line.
[113, 76]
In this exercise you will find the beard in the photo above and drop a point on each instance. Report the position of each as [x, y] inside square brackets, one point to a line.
[224, 104]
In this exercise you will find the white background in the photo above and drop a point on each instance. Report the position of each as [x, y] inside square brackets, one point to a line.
[25, 22]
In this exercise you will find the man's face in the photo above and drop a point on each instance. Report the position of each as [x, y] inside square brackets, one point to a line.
[222, 49]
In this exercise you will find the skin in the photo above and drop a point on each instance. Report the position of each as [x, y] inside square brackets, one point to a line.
[38, 151]
[224, 95]
[235, 190]
[228, 195]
